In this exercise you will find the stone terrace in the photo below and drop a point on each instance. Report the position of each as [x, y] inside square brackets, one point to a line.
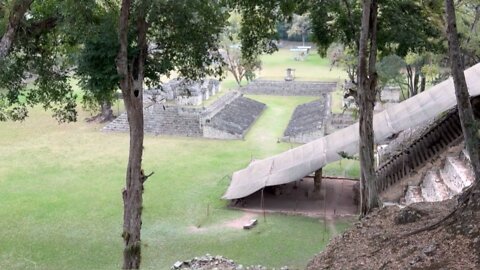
[289, 88]
[234, 120]
[308, 121]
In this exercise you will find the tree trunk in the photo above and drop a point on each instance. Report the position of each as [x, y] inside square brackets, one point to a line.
[20, 7]
[410, 81]
[106, 113]
[366, 98]
[415, 82]
[467, 120]
[423, 82]
[131, 83]
[317, 180]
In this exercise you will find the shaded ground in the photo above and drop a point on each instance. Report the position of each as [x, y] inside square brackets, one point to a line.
[379, 241]
[334, 199]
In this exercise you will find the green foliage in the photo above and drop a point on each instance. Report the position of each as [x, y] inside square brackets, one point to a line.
[231, 51]
[96, 60]
[335, 21]
[300, 26]
[390, 69]
[259, 20]
[186, 38]
[403, 25]
[40, 52]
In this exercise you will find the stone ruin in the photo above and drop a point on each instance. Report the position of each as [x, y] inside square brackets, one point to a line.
[308, 121]
[183, 92]
[229, 117]
[288, 88]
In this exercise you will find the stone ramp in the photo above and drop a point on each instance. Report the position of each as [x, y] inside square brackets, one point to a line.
[308, 121]
[234, 120]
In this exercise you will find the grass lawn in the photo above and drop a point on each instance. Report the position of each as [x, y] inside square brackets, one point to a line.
[62, 208]
[61, 194]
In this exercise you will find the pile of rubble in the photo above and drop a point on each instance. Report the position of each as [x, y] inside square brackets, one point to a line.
[209, 262]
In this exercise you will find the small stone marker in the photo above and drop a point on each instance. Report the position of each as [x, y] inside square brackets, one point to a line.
[177, 265]
[250, 224]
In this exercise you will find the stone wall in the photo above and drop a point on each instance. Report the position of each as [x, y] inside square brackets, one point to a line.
[308, 121]
[288, 88]
[229, 117]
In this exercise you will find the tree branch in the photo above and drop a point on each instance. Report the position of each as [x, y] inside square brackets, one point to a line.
[18, 12]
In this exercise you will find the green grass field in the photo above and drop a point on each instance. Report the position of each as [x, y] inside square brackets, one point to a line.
[61, 196]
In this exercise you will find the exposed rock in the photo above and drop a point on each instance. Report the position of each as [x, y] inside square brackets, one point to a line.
[209, 262]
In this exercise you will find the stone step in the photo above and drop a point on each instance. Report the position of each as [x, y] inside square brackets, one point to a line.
[413, 195]
[433, 188]
[456, 174]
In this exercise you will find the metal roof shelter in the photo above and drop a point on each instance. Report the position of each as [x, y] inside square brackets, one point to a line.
[299, 162]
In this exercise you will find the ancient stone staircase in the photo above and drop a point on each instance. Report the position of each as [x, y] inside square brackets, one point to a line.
[429, 164]
[442, 183]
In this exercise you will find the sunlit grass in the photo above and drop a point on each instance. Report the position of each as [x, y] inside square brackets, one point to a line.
[60, 192]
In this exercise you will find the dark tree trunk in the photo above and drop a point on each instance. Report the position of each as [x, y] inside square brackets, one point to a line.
[131, 83]
[467, 120]
[367, 78]
[18, 12]
[423, 83]
[317, 180]
[410, 81]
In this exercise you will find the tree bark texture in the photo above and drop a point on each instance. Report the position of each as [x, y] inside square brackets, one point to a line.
[19, 9]
[467, 119]
[367, 79]
[131, 82]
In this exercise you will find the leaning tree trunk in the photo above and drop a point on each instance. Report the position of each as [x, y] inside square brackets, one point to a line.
[19, 9]
[467, 120]
[366, 101]
[131, 83]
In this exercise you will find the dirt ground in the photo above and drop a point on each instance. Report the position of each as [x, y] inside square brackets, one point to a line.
[380, 240]
[335, 199]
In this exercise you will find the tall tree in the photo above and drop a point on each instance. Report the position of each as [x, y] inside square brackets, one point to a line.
[300, 26]
[183, 36]
[367, 82]
[235, 63]
[95, 63]
[467, 119]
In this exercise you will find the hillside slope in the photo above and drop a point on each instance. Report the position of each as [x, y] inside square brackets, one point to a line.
[377, 241]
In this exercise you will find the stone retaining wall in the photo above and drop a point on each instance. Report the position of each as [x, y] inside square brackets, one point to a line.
[288, 88]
